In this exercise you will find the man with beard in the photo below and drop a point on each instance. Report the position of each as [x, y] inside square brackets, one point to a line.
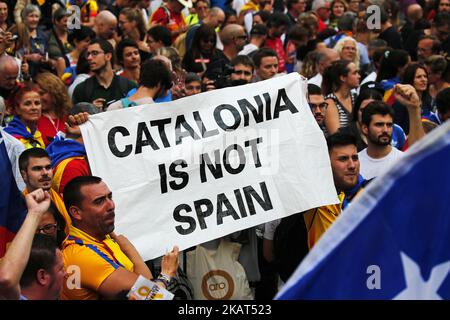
[104, 87]
[348, 182]
[36, 170]
[109, 265]
[377, 123]
[317, 104]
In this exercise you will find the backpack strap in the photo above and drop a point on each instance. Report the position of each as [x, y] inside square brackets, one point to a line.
[127, 103]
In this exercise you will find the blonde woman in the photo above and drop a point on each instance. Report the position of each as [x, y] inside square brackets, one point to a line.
[347, 47]
[55, 105]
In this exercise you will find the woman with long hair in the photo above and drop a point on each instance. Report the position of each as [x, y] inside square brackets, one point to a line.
[132, 25]
[347, 48]
[55, 105]
[338, 81]
[202, 51]
[27, 110]
[32, 43]
[337, 7]
[416, 75]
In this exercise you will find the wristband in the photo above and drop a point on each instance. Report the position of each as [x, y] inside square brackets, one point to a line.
[164, 279]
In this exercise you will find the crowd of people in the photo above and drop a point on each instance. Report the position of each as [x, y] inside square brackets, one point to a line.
[373, 89]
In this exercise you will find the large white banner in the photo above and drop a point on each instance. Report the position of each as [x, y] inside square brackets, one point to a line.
[199, 168]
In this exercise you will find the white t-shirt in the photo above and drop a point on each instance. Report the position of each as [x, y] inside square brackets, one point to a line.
[371, 167]
[317, 80]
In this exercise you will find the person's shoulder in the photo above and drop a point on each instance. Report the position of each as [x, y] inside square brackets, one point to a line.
[363, 154]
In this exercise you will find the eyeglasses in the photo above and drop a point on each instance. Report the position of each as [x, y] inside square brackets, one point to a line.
[240, 72]
[48, 228]
[93, 53]
[322, 105]
[244, 37]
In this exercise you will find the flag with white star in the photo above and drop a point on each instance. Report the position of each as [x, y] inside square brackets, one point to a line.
[393, 241]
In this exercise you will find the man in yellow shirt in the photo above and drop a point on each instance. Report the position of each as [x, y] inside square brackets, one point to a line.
[107, 265]
[347, 180]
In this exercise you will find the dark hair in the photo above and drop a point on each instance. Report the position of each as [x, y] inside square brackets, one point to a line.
[376, 107]
[409, 76]
[364, 95]
[42, 256]
[107, 47]
[203, 32]
[265, 15]
[84, 107]
[262, 53]
[298, 33]
[392, 61]
[72, 195]
[341, 138]
[25, 156]
[314, 90]
[443, 101]
[81, 34]
[124, 43]
[82, 64]
[441, 19]
[154, 72]
[244, 60]
[60, 233]
[347, 22]
[191, 77]
[161, 33]
[277, 19]
[332, 76]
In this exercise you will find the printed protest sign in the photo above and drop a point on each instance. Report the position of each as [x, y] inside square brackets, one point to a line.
[199, 168]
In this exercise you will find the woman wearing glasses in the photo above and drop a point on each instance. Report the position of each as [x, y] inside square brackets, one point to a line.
[52, 225]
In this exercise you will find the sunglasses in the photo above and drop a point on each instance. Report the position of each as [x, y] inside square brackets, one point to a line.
[322, 105]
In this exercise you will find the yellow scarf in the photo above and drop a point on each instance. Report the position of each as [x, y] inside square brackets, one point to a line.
[109, 247]
[59, 204]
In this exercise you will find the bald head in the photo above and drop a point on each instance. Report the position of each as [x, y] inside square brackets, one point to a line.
[325, 58]
[105, 24]
[414, 12]
[9, 70]
[230, 32]
[215, 17]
